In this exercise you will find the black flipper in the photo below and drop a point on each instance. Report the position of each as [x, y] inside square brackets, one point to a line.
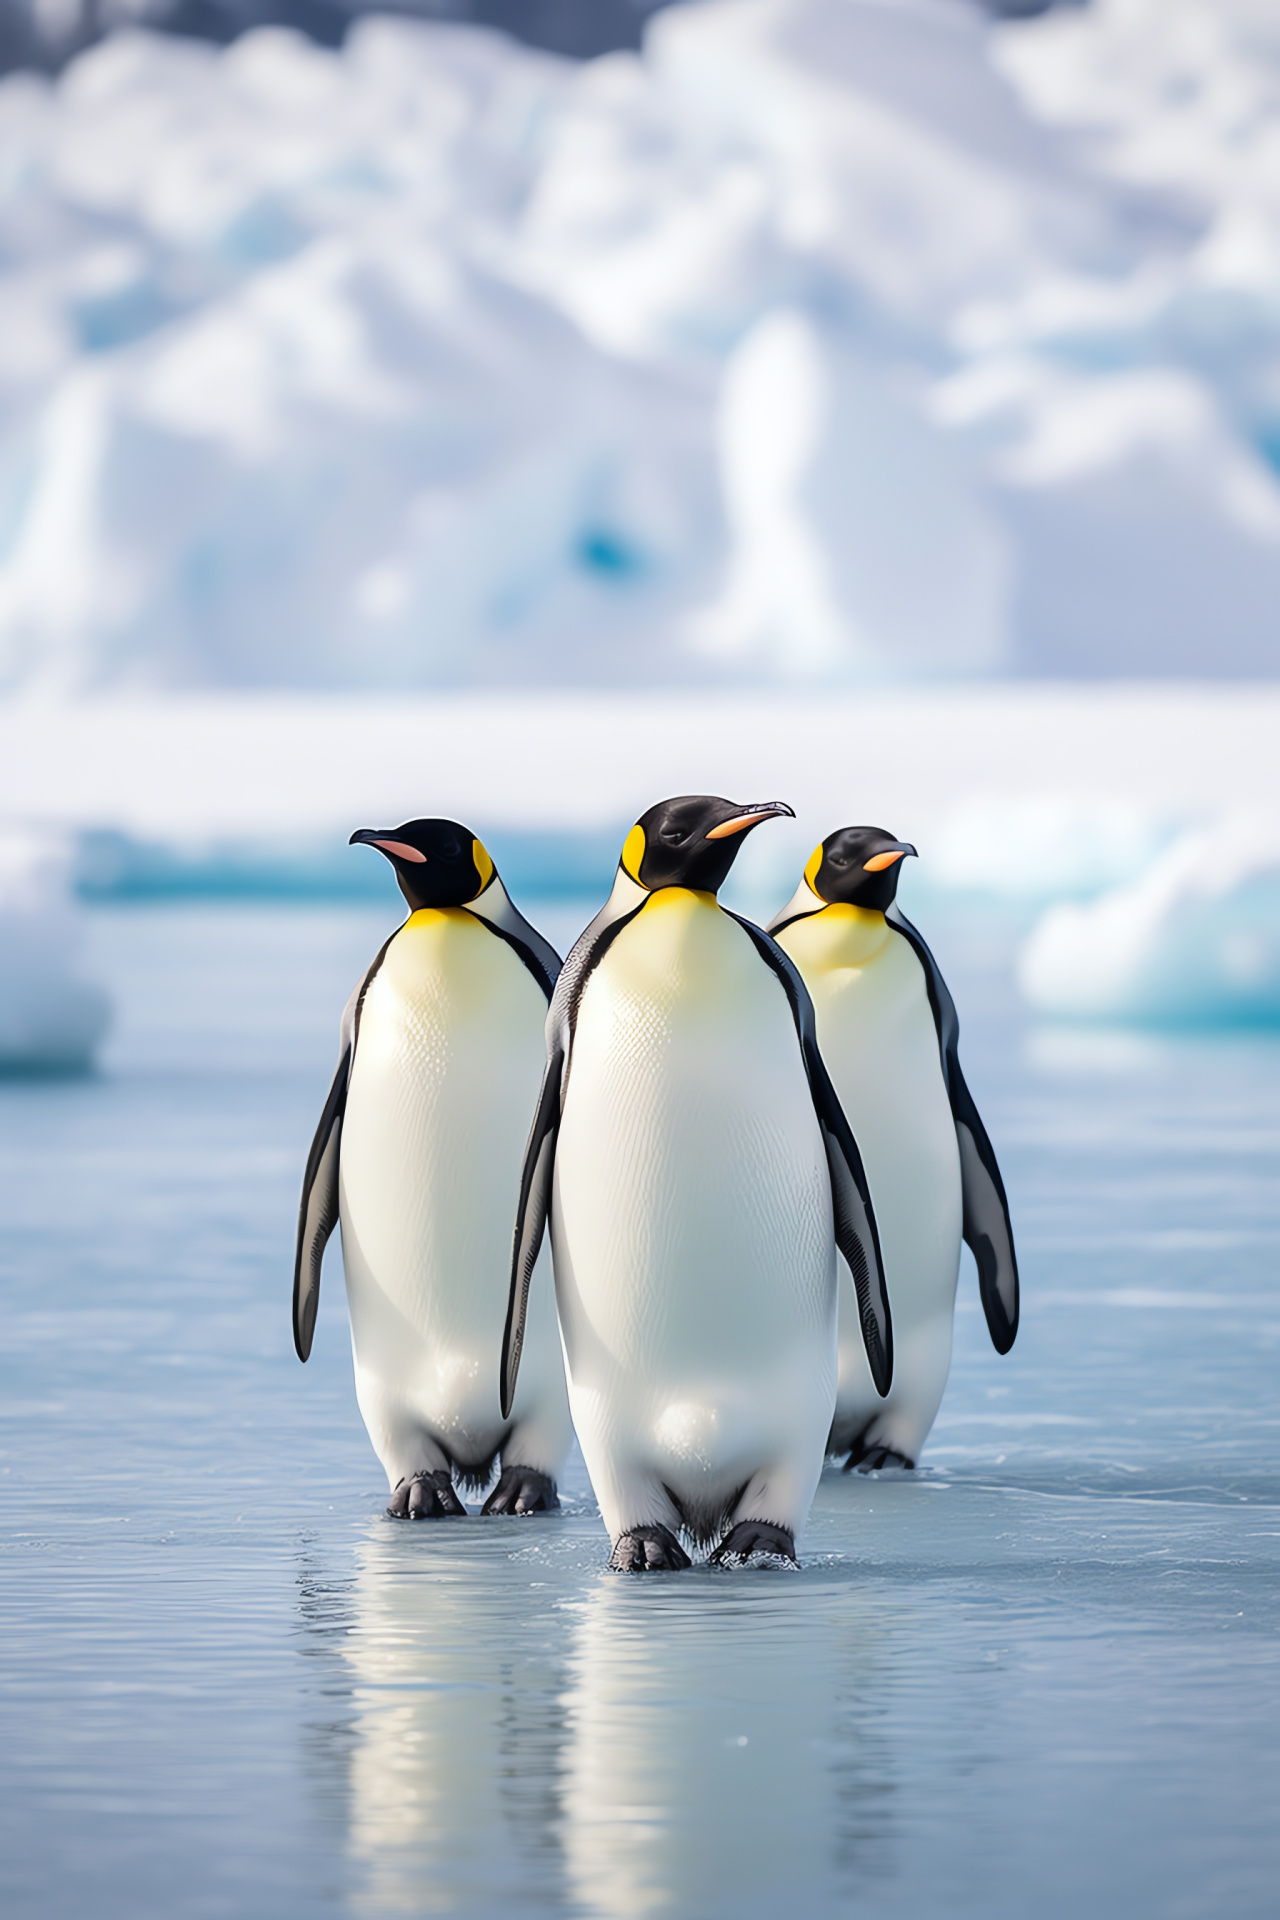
[318, 1213]
[855, 1222]
[531, 1221]
[857, 1235]
[534, 1209]
[988, 1230]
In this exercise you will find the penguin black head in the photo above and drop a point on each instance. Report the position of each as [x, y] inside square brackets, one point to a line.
[692, 841]
[858, 866]
[437, 862]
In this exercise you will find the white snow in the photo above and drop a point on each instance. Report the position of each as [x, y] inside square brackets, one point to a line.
[828, 341]
[51, 1018]
[849, 521]
[1031, 789]
[1195, 938]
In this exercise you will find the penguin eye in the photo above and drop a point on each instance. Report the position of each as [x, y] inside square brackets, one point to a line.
[673, 836]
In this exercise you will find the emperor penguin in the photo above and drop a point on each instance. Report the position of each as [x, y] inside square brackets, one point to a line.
[698, 1173]
[418, 1154]
[889, 1034]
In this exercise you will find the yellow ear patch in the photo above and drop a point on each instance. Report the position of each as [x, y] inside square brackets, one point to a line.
[811, 871]
[484, 865]
[633, 853]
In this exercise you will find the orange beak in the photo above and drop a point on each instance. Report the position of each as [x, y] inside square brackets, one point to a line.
[774, 810]
[401, 849]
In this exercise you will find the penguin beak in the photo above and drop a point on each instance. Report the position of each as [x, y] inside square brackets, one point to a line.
[879, 861]
[385, 841]
[750, 817]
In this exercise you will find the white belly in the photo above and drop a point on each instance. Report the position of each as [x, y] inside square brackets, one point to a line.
[691, 1220]
[446, 1075]
[878, 1038]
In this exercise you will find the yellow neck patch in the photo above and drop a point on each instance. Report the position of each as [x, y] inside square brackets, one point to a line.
[422, 919]
[853, 916]
[683, 897]
[811, 871]
[849, 936]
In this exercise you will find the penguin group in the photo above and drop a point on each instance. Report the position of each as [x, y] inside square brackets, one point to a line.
[698, 1193]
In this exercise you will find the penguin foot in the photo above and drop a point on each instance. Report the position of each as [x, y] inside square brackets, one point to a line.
[648, 1550]
[523, 1490]
[872, 1459]
[755, 1539]
[426, 1496]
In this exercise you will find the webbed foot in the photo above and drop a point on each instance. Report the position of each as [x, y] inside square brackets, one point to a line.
[755, 1538]
[523, 1490]
[871, 1459]
[648, 1550]
[426, 1496]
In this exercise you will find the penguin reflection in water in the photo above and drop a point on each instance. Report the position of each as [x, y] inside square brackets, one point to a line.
[418, 1153]
[687, 1149]
[888, 1031]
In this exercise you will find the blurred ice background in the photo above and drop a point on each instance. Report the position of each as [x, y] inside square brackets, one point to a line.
[521, 409]
[821, 339]
[789, 351]
[51, 1018]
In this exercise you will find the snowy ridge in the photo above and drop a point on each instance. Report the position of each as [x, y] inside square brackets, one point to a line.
[1005, 778]
[828, 340]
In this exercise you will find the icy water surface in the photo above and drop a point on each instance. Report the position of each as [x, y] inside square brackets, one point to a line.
[1039, 1677]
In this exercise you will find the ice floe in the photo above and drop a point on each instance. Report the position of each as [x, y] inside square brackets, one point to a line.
[52, 1018]
[1195, 939]
[819, 342]
[1045, 847]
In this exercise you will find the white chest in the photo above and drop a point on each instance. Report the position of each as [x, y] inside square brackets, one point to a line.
[446, 1072]
[692, 1207]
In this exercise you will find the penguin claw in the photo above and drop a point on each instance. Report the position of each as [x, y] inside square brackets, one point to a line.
[756, 1540]
[648, 1550]
[872, 1459]
[523, 1490]
[426, 1496]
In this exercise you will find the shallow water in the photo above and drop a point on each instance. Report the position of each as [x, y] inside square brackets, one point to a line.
[1040, 1676]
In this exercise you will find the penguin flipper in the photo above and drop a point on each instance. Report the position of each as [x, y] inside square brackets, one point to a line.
[318, 1212]
[531, 1221]
[856, 1233]
[988, 1230]
[855, 1222]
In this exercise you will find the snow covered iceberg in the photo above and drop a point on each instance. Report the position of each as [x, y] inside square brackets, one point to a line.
[824, 341]
[298, 430]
